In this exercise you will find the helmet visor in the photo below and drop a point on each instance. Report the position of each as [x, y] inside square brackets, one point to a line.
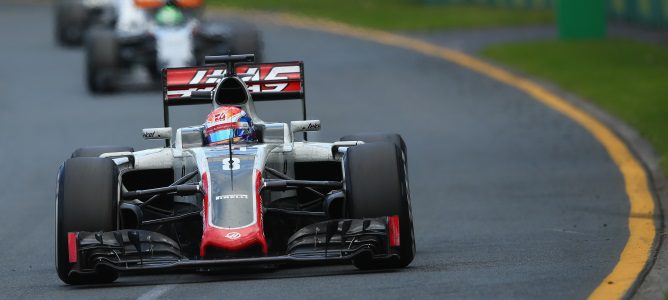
[224, 132]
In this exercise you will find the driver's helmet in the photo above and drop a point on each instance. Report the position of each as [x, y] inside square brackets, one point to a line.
[169, 16]
[227, 123]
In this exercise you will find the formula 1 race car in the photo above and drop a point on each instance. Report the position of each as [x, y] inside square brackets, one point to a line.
[235, 192]
[73, 18]
[157, 34]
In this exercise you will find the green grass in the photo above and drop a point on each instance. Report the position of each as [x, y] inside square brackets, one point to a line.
[399, 14]
[629, 79]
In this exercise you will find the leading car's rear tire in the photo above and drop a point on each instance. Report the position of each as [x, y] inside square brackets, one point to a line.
[376, 186]
[86, 200]
[71, 17]
[247, 40]
[102, 60]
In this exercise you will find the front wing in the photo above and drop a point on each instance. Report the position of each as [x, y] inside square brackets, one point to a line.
[140, 250]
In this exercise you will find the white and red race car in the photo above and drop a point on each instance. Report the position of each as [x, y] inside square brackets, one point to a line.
[276, 200]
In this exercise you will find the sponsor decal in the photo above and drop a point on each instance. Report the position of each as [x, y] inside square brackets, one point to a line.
[231, 197]
[149, 134]
[313, 126]
[233, 235]
[264, 78]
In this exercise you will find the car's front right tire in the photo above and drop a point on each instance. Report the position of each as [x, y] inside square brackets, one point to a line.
[96, 151]
[86, 200]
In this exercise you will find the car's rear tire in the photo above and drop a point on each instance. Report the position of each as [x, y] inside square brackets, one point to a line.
[247, 40]
[96, 151]
[86, 200]
[71, 17]
[102, 60]
[376, 181]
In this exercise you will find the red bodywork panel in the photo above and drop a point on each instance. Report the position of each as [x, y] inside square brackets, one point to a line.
[393, 231]
[233, 240]
[72, 247]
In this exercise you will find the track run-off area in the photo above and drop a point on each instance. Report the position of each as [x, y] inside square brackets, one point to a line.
[516, 192]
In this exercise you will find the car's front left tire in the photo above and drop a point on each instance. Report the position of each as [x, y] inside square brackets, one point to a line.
[86, 200]
[375, 137]
[376, 185]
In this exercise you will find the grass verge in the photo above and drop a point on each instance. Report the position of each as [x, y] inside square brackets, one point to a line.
[399, 14]
[627, 78]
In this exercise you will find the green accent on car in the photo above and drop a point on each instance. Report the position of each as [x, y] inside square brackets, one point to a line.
[169, 16]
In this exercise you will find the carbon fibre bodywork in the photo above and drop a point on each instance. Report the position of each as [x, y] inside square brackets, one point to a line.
[137, 250]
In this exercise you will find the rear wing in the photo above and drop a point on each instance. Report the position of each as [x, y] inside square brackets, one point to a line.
[266, 82]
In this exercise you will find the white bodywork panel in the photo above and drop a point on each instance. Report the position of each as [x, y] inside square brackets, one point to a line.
[131, 19]
[159, 158]
[163, 158]
[175, 45]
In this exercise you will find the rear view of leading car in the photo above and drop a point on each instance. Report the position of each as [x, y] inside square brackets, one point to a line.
[267, 199]
[144, 36]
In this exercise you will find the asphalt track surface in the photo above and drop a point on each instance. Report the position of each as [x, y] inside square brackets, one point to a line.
[510, 199]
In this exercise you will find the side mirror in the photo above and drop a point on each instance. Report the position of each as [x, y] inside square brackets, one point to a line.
[303, 126]
[164, 133]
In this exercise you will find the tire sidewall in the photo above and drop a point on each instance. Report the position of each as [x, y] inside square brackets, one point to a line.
[103, 169]
[70, 16]
[102, 59]
[99, 150]
[376, 202]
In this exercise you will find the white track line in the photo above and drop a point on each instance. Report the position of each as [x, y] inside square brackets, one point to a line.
[156, 292]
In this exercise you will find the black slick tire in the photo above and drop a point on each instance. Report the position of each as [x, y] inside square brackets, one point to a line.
[374, 137]
[86, 200]
[70, 18]
[376, 185]
[102, 60]
[247, 40]
[96, 151]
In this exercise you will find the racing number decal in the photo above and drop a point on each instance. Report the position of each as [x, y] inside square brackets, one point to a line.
[234, 165]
